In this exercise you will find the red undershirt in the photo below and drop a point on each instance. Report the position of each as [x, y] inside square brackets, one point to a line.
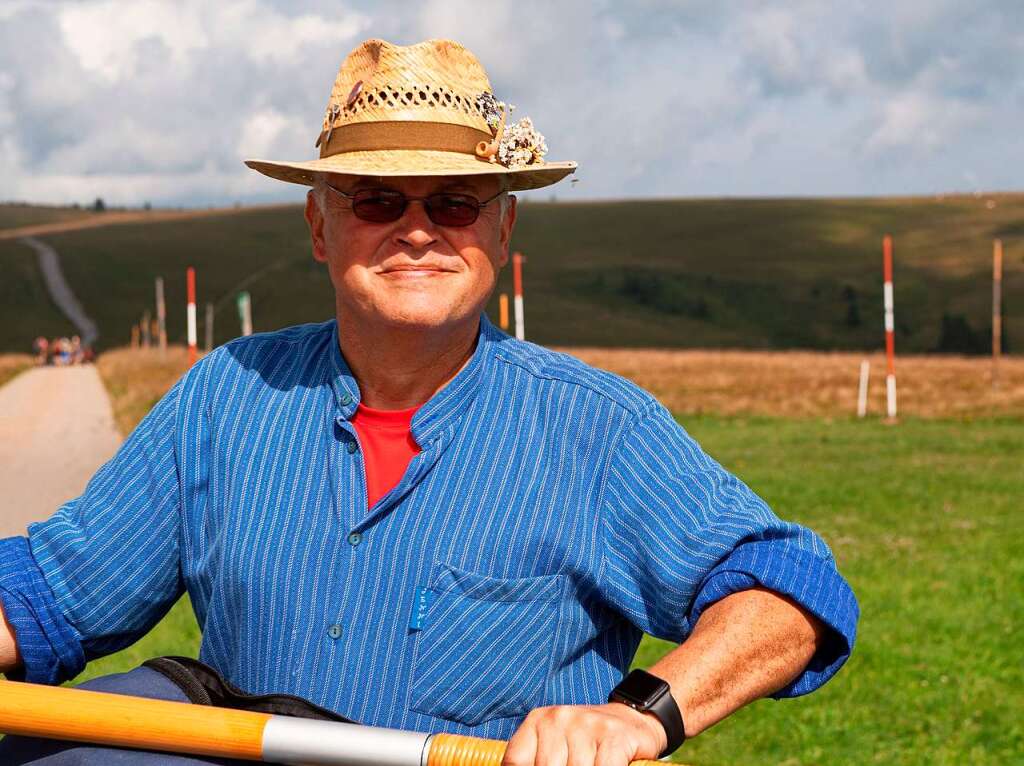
[387, 444]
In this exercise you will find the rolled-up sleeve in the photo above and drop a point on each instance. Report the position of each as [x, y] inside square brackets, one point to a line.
[100, 572]
[681, 533]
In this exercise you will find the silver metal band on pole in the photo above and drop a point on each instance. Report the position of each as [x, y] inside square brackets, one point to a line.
[303, 742]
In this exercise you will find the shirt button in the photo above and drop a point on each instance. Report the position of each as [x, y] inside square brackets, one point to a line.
[346, 400]
[334, 632]
[355, 538]
[351, 447]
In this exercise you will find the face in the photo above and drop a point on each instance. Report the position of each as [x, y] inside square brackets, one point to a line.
[411, 273]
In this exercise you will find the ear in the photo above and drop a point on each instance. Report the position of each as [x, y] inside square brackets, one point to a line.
[507, 224]
[315, 219]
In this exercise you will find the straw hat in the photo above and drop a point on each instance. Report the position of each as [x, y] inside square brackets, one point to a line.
[420, 110]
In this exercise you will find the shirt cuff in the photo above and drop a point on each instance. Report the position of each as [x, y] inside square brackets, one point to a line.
[811, 581]
[50, 647]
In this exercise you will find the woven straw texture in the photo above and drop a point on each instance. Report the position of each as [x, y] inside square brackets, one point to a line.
[423, 97]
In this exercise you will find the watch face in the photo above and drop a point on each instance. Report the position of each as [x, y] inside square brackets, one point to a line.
[641, 687]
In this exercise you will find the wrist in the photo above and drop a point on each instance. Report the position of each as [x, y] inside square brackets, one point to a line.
[646, 721]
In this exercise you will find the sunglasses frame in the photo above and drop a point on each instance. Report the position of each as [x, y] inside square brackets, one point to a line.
[480, 204]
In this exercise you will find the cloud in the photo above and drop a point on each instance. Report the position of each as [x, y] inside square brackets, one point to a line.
[160, 100]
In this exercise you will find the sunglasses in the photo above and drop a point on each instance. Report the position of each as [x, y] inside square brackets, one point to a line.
[387, 206]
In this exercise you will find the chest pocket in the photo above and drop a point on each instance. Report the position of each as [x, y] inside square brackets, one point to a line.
[485, 647]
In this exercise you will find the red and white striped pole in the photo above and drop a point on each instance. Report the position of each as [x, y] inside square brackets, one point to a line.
[190, 278]
[517, 285]
[890, 325]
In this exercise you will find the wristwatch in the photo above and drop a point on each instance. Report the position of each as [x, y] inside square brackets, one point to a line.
[649, 694]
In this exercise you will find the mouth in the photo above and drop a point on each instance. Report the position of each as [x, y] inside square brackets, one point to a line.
[415, 271]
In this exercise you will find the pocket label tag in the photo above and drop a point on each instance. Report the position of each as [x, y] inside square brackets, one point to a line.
[421, 605]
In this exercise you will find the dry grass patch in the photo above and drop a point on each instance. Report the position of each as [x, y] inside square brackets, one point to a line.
[12, 364]
[137, 378]
[809, 384]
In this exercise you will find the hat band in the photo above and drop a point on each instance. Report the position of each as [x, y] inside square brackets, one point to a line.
[377, 136]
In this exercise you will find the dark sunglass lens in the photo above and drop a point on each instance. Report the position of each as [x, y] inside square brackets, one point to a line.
[378, 206]
[452, 209]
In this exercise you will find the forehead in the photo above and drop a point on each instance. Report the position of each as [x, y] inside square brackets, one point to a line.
[483, 185]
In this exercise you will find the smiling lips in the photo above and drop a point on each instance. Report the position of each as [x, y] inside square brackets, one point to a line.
[415, 270]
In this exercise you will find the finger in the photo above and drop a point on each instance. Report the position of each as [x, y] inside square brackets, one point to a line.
[552, 747]
[522, 747]
[582, 747]
[610, 753]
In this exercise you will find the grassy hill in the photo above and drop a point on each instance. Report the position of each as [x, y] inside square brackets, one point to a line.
[786, 273]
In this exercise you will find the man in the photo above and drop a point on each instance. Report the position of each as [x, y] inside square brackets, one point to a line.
[408, 517]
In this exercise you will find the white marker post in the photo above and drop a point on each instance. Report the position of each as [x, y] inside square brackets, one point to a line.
[517, 285]
[245, 312]
[890, 327]
[190, 279]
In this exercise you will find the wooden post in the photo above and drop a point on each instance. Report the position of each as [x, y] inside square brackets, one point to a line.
[190, 314]
[209, 327]
[517, 285]
[862, 390]
[161, 315]
[135, 336]
[503, 311]
[997, 308]
[890, 330]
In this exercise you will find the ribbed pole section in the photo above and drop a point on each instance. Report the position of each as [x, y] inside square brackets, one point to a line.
[517, 285]
[190, 279]
[890, 325]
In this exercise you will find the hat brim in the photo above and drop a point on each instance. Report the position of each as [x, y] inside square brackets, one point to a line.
[410, 162]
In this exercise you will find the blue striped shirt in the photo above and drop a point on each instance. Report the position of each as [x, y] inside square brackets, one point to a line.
[555, 513]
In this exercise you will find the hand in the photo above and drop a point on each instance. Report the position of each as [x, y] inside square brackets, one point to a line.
[585, 735]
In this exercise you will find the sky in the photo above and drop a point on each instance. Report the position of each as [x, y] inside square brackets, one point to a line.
[160, 101]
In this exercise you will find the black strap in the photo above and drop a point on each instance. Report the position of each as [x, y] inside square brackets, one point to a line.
[205, 686]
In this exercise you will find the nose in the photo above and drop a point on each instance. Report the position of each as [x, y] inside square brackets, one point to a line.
[414, 228]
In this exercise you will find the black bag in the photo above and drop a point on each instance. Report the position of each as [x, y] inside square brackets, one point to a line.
[204, 686]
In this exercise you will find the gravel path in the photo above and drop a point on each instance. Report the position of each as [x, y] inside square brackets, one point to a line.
[56, 429]
[60, 290]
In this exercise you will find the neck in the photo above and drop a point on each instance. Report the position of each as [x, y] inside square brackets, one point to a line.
[398, 368]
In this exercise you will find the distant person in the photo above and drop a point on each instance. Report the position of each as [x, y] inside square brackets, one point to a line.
[76, 350]
[410, 518]
[40, 347]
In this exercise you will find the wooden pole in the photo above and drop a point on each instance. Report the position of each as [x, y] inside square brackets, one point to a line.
[503, 311]
[862, 389]
[161, 315]
[890, 330]
[517, 285]
[190, 314]
[135, 336]
[997, 308]
[116, 720]
[209, 327]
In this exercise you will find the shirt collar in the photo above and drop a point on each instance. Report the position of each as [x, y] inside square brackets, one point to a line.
[444, 409]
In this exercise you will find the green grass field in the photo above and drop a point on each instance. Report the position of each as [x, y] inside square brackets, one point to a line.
[925, 521]
[781, 273]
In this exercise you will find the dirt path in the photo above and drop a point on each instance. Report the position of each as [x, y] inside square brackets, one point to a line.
[60, 290]
[56, 429]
